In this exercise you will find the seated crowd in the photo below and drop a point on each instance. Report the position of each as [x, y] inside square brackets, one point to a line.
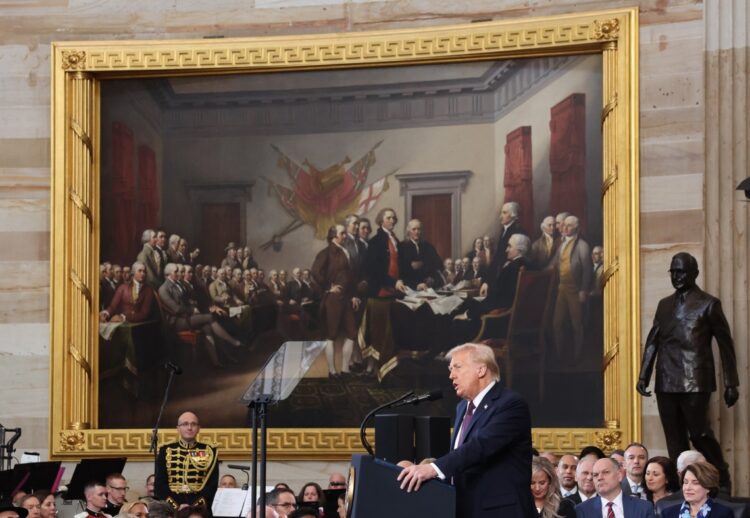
[567, 486]
[108, 500]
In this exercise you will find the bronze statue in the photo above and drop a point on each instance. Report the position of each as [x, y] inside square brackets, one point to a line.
[680, 339]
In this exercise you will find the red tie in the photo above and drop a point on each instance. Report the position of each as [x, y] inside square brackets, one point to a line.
[610, 512]
[466, 422]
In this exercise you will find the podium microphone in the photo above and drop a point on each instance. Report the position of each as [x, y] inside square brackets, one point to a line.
[246, 469]
[170, 366]
[418, 398]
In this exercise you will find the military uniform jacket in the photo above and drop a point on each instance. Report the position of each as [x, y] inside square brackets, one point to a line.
[680, 343]
[187, 474]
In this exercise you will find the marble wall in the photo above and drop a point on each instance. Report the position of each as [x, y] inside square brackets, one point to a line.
[693, 150]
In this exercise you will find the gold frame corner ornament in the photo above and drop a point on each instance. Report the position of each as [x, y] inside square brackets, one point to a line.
[76, 77]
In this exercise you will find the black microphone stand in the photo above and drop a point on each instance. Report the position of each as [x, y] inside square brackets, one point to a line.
[363, 426]
[259, 409]
[154, 433]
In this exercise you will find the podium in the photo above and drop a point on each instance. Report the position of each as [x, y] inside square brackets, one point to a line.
[374, 492]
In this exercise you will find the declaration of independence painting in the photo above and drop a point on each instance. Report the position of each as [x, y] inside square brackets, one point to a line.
[390, 213]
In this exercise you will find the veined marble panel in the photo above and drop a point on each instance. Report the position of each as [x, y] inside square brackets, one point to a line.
[680, 226]
[24, 306]
[25, 339]
[665, 90]
[24, 215]
[682, 121]
[673, 192]
[23, 275]
[663, 156]
[25, 387]
[31, 121]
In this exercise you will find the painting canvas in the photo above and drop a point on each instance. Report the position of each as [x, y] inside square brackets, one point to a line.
[240, 179]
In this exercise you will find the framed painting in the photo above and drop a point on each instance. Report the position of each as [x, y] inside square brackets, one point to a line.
[203, 189]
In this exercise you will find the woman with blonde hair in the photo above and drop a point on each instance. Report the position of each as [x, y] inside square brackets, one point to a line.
[545, 489]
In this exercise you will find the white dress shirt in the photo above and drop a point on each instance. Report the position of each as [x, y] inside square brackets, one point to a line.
[616, 508]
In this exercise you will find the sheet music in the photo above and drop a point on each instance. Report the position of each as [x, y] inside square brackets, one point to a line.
[229, 502]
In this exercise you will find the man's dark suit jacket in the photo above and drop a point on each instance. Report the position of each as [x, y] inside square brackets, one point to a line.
[378, 259]
[500, 256]
[632, 508]
[681, 340]
[717, 511]
[492, 468]
[429, 273]
[502, 289]
[575, 497]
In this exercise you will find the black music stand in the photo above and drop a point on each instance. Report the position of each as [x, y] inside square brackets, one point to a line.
[43, 476]
[92, 470]
[275, 382]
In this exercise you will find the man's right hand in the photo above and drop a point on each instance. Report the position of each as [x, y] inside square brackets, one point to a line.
[642, 388]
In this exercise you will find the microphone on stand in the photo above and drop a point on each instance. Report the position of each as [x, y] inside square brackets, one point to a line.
[245, 469]
[170, 366]
[418, 398]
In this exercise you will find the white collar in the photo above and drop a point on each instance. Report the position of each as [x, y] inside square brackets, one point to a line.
[617, 501]
[478, 398]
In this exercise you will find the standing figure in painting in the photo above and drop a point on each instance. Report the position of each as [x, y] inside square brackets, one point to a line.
[509, 221]
[544, 248]
[149, 257]
[680, 343]
[383, 275]
[420, 264]
[575, 271]
[187, 470]
[333, 271]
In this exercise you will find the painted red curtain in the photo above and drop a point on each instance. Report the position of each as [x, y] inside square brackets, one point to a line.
[567, 157]
[517, 179]
[119, 240]
[148, 189]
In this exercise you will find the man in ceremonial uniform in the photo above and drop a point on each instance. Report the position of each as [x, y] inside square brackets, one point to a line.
[187, 471]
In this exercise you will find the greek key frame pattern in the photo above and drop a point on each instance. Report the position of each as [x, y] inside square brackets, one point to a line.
[350, 49]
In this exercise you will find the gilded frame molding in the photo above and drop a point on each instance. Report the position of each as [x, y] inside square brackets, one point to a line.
[78, 68]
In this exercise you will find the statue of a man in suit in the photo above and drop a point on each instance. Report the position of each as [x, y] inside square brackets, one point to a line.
[680, 342]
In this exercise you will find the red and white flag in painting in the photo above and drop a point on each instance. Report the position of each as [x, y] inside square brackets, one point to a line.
[370, 195]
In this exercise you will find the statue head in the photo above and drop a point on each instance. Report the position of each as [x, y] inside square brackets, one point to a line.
[683, 271]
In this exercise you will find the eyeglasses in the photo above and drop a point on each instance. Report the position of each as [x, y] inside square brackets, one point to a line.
[337, 484]
[186, 425]
[287, 505]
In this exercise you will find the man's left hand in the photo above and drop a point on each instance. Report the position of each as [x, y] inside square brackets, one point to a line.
[731, 395]
[412, 477]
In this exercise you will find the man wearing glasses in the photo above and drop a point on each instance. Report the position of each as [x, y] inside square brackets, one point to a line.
[336, 481]
[282, 501]
[186, 473]
[117, 487]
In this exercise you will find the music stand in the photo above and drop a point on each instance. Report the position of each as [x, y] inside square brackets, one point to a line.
[43, 476]
[92, 470]
[10, 483]
[275, 382]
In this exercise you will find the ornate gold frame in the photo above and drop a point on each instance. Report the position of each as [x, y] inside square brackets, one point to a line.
[79, 67]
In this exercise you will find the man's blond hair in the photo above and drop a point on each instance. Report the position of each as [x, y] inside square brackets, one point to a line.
[481, 354]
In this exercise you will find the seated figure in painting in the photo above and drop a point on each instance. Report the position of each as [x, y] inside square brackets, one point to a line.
[183, 315]
[133, 301]
[420, 264]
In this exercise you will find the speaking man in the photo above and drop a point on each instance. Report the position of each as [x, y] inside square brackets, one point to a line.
[490, 463]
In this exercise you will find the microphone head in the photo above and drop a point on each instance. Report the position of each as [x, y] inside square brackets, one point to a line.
[173, 367]
[435, 395]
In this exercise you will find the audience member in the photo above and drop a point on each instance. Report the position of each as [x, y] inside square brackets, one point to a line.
[228, 481]
[342, 506]
[661, 478]
[32, 504]
[117, 488]
[159, 509]
[138, 509]
[95, 494]
[593, 451]
[311, 492]
[584, 481]
[636, 455]
[150, 485]
[283, 501]
[196, 511]
[700, 484]
[336, 481]
[566, 472]
[48, 504]
[304, 512]
[549, 456]
[609, 501]
[8, 510]
[546, 491]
